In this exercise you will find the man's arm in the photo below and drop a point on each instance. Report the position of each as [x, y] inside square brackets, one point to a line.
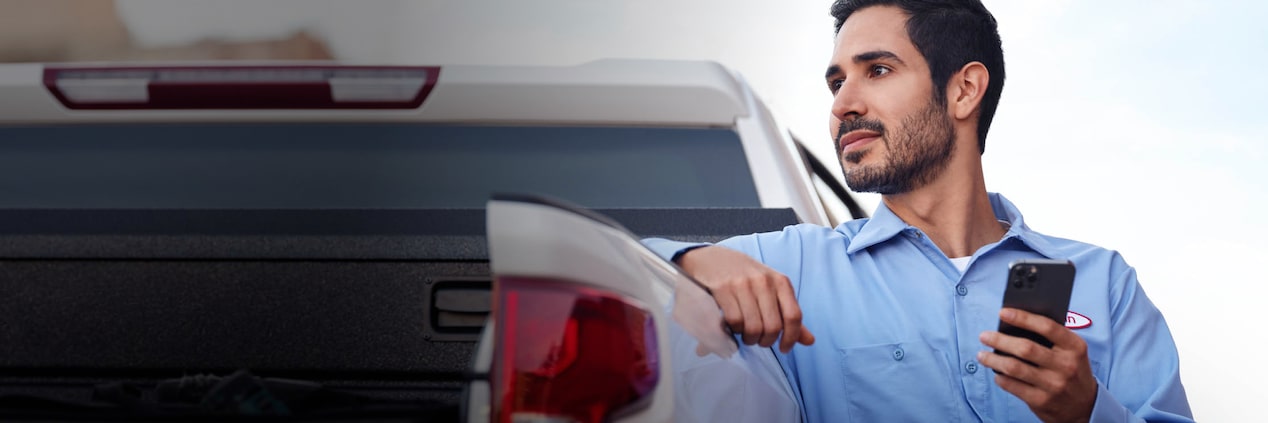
[757, 301]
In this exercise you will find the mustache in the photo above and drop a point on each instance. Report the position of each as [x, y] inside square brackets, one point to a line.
[848, 126]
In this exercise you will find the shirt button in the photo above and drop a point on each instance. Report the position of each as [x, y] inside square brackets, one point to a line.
[898, 354]
[962, 290]
[970, 367]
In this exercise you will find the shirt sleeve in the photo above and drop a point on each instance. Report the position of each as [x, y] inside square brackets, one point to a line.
[781, 251]
[669, 249]
[1144, 377]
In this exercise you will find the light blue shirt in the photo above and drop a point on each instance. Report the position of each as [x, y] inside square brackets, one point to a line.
[897, 325]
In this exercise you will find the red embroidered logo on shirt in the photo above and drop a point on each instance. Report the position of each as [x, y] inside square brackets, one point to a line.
[1076, 321]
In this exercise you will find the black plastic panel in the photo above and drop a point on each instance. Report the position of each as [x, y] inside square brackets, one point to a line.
[315, 292]
[320, 234]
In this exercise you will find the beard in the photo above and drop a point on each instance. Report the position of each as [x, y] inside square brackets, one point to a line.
[919, 149]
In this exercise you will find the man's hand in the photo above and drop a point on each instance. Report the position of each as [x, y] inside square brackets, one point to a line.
[1059, 387]
[756, 301]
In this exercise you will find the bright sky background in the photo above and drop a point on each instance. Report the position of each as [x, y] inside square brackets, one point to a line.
[1132, 124]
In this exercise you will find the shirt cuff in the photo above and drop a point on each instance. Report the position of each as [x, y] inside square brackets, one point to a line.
[1107, 409]
[669, 249]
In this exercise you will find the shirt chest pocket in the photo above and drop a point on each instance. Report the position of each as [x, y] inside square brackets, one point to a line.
[899, 382]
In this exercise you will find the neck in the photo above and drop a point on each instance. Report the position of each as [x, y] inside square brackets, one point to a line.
[953, 210]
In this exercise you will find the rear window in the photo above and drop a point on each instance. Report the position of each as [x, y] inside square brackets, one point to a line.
[287, 166]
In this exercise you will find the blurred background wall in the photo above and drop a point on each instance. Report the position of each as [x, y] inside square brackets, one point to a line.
[92, 30]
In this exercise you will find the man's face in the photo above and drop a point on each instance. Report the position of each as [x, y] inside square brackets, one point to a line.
[891, 135]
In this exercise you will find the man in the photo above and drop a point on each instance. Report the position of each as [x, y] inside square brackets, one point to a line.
[906, 303]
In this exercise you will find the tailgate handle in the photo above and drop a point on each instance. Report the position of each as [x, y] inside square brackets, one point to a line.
[461, 307]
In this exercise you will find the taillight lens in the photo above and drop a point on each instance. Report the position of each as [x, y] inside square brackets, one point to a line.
[567, 352]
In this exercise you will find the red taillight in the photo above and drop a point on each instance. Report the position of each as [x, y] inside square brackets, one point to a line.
[242, 87]
[569, 352]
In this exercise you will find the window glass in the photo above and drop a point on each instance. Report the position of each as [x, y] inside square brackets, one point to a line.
[837, 212]
[367, 166]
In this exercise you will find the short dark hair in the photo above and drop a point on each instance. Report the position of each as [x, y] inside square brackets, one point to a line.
[949, 34]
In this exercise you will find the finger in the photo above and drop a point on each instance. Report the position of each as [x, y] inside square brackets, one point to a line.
[1028, 393]
[1011, 366]
[750, 313]
[807, 338]
[767, 295]
[790, 311]
[1061, 336]
[731, 312]
[1022, 348]
[1035, 323]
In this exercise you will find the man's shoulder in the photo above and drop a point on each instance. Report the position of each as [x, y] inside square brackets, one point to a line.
[851, 228]
[809, 234]
[803, 234]
[1052, 246]
[810, 231]
[1080, 252]
[842, 233]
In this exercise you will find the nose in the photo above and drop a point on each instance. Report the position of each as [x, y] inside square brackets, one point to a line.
[847, 103]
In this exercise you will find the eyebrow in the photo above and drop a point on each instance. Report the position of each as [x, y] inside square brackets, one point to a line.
[863, 58]
[832, 70]
[875, 55]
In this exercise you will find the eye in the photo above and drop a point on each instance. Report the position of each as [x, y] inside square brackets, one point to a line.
[879, 71]
[835, 85]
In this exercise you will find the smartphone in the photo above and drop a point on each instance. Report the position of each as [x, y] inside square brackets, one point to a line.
[1039, 286]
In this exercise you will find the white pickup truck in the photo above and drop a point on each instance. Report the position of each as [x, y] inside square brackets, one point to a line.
[310, 239]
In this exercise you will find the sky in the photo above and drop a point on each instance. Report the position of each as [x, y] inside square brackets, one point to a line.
[1130, 124]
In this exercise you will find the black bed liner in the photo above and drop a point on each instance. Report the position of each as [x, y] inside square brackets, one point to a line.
[384, 301]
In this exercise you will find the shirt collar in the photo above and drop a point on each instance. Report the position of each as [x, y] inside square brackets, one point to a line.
[1006, 211]
[885, 225]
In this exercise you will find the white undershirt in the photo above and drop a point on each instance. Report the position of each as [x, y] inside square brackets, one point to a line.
[961, 263]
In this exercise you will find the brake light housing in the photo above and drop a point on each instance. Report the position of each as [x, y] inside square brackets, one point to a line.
[568, 352]
[241, 87]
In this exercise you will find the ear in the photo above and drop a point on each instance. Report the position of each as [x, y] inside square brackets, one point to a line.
[966, 89]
